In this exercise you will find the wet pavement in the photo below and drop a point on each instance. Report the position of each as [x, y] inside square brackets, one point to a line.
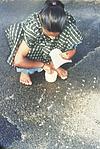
[60, 115]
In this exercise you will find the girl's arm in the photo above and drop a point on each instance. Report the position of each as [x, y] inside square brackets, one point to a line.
[21, 59]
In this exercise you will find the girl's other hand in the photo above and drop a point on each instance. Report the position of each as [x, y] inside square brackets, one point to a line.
[68, 54]
[64, 55]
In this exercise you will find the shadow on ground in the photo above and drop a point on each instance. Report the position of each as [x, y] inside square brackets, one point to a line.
[2, 147]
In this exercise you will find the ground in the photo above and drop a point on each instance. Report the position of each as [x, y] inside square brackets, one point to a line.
[60, 115]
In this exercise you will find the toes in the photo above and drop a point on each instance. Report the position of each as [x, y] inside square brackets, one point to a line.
[26, 82]
[29, 83]
[64, 75]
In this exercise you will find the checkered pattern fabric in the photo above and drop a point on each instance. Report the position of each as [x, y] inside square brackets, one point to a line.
[30, 30]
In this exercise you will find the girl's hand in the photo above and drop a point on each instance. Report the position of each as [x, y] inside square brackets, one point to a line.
[68, 54]
[48, 67]
[64, 55]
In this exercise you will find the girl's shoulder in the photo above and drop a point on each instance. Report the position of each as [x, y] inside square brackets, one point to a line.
[32, 22]
[32, 19]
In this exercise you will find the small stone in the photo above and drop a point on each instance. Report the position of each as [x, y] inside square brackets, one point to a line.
[70, 140]
[25, 118]
[56, 144]
[83, 143]
[40, 100]
[58, 140]
[45, 89]
[47, 134]
[93, 86]
[49, 126]
[58, 87]
[63, 122]
[41, 124]
[62, 104]
[81, 90]
[70, 84]
[38, 106]
[57, 91]
[49, 107]
[23, 136]
[62, 129]
[65, 97]
[83, 85]
[83, 80]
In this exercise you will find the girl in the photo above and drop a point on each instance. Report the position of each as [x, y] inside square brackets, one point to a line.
[32, 40]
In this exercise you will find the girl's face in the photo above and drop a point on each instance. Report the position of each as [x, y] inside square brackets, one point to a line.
[52, 35]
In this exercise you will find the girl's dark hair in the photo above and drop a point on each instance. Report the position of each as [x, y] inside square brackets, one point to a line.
[53, 16]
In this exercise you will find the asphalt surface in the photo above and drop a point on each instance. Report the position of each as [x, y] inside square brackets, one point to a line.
[60, 115]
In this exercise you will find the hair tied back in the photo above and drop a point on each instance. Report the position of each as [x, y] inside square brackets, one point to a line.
[54, 3]
[50, 3]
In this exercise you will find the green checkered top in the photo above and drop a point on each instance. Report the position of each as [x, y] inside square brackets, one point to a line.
[30, 30]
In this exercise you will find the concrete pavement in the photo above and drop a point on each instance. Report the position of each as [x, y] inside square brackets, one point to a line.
[60, 115]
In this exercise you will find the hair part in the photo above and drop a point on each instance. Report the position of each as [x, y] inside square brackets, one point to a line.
[53, 16]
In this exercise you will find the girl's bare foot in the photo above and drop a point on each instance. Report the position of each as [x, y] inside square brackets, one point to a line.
[25, 79]
[62, 73]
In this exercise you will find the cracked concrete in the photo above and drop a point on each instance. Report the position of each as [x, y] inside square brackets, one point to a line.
[60, 115]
